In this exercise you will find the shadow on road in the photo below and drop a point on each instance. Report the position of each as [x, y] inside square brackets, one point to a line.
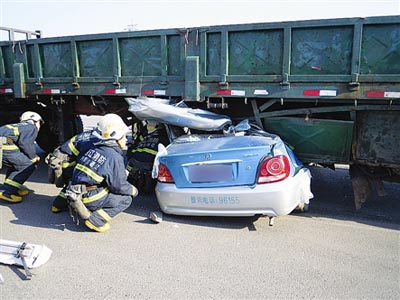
[333, 198]
[35, 211]
[143, 205]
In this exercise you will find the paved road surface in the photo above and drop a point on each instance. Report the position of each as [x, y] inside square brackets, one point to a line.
[330, 252]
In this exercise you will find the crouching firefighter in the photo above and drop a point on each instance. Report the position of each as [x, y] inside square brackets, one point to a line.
[141, 157]
[99, 179]
[63, 159]
[19, 155]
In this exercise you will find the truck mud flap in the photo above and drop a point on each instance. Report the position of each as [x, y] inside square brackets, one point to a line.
[362, 186]
[364, 183]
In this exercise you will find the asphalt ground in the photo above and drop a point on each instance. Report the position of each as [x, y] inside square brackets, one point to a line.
[330, 252]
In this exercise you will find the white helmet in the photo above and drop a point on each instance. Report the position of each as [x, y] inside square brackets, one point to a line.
[112, 127]
[31, 115]
[114, 131]
[107, 120]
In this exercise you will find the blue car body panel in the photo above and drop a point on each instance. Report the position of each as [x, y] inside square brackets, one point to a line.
[219, 161]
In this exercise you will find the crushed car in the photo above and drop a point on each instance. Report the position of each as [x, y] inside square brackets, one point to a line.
[227, 169]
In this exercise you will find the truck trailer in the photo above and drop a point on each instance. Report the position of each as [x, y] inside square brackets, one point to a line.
[329, 88]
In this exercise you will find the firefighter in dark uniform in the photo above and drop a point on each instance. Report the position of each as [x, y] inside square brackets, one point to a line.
[69, 153]
[141, 157]
[139, 131]
[102, 172]
[19, 155]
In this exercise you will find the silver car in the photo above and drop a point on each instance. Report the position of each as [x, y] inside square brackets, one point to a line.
[226, 170]
[208, 175]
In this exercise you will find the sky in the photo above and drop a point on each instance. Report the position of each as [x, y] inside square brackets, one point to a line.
[75, 17]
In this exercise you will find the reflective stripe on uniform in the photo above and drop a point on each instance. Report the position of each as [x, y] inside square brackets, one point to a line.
[12, 183]
[14, 128]
[96, 197]
[66, 164]
[72, 147]
[89, 172]
[10, 147]
[147, 150]
[104, 215]
[62, 195]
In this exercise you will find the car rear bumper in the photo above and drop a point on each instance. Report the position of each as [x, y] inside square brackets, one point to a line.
[273, 199]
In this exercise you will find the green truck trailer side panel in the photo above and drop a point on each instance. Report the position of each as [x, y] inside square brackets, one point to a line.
[378, 136]
[56, 60]
[321, 51]
[8, 60]
[141, 56]
[2, 66]
[381, 49]
[174, 66]
[96, 58]
[30, 61]
[255, 52]
[313, 140]
[213, 56]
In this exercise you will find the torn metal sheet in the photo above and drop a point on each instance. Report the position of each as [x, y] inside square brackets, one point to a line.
[160, 110]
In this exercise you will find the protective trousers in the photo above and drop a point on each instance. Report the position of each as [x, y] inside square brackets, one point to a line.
[105, 208]
[20, 168]
[60, 202]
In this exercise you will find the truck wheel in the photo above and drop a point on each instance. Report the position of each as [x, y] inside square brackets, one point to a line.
[78, 125]
[46, 139]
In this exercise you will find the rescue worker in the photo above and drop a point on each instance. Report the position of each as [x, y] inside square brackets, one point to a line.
[70, 151]
[142, 157]
[139, 131]
[101, 172]
[19, 155]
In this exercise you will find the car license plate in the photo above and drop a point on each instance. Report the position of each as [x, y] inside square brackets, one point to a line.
[210, 173]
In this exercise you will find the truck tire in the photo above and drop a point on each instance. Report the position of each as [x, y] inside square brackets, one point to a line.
[78, 125]
[46, 139]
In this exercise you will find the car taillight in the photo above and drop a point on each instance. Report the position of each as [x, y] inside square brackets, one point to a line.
[274, 169]
[164, 175]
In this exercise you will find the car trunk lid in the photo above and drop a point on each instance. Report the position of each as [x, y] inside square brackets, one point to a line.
[216, 161]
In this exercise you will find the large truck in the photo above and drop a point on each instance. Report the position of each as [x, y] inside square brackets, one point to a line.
[330, 88]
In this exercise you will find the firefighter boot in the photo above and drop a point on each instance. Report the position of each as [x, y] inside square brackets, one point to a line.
[10, 197]
[103, 228]
[59, 204]
[22, 192]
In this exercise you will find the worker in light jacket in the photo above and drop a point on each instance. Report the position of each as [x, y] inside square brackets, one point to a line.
[19, 155]
[101, 170]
